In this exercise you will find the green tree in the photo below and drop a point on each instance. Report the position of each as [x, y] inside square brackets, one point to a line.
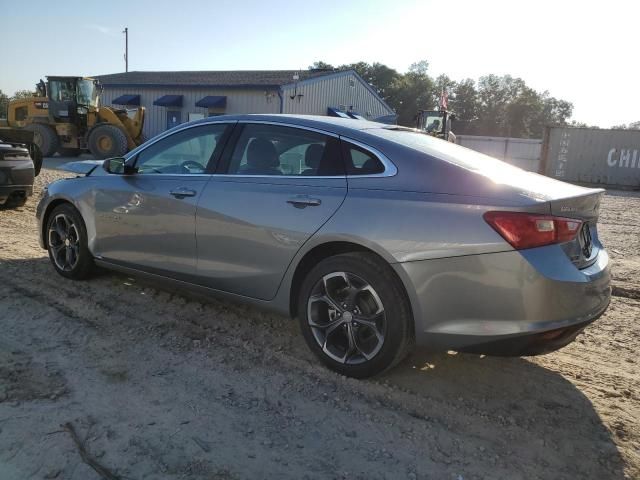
[628, 126]
[508, 107]
[443, 83]
[411, 92]
[521, 111]
[492, 98]
[378, 75]
[553, 111]
[464, 103]
[320, 65]
[495, 105]
[4, 104]
[23, 94]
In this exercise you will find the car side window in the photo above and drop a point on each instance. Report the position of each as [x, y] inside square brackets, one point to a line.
[359, 161]
[185, 152]
[264, 149]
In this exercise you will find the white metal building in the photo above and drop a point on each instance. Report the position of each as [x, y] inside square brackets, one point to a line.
[172, 98]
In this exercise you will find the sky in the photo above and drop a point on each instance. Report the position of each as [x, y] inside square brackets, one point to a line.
[585, 51]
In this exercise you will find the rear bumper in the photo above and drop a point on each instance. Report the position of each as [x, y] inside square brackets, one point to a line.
[7, 192]
[16, 179]
[509, 303]
[530, 343]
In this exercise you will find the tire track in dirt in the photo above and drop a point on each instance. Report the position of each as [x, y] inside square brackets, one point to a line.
[435, 416]
[451, 418]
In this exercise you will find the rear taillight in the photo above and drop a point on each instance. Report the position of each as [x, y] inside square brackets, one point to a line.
[526, 230]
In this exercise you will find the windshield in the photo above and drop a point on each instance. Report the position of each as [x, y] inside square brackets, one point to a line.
[433, 123]
[62, 90]
[83, 92]
[87, 92]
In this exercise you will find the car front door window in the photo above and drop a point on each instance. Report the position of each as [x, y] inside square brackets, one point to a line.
[184, 153]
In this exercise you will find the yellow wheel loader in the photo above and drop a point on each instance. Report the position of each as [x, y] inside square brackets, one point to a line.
[66, 117]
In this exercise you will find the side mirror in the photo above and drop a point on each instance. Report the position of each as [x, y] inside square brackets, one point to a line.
[117, 166]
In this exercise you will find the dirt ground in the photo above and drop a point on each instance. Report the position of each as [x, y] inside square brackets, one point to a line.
[160, 385]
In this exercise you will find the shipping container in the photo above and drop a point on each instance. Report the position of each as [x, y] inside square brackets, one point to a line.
[608, 158]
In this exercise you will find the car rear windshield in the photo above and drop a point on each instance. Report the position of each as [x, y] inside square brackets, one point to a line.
[528, 184]
[447, 151]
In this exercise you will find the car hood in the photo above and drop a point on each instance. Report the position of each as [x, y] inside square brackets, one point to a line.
[82, 167]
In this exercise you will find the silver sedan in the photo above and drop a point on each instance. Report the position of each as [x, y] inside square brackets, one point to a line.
[375, 237]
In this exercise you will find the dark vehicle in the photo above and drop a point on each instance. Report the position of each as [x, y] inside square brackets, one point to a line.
[20, 162]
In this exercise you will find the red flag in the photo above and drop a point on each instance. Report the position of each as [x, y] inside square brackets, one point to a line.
[444, 99]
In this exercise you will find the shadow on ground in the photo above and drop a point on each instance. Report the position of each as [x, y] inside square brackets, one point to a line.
[546, 413]
[508, 409]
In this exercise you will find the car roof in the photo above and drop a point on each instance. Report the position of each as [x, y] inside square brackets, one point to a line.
[332, 124]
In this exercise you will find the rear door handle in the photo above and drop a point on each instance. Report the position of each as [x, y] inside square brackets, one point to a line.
[302, 201]
[182, 192]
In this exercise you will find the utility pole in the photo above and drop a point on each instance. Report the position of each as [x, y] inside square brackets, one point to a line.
[126, 49]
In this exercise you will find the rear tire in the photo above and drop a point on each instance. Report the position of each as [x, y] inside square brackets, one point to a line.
[66, 241]
[36, 157]
[69, 152]
[107, 141]
[366, 326]
[45, 137]
[14, 202]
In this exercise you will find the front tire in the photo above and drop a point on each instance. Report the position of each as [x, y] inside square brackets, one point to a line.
[107, 141]
[66, 240]
[354, 314]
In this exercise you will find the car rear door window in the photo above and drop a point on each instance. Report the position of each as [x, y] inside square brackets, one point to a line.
[359, 161]
[274, 150]
[186, 152]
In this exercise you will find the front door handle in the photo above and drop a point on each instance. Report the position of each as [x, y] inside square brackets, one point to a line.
[302, 201]
[182, 192]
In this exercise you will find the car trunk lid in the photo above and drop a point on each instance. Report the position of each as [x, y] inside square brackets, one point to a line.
[584, 249]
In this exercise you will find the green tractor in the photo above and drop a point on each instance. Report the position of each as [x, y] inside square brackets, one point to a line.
[436, 123]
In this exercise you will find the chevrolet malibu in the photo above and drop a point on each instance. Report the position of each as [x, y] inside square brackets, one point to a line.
[375, 237]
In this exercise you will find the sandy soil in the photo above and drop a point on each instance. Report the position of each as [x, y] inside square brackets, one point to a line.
[163, 385]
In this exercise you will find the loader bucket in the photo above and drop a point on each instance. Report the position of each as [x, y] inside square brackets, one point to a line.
[131, 125]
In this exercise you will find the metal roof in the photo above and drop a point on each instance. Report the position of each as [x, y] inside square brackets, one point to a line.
[229, 78]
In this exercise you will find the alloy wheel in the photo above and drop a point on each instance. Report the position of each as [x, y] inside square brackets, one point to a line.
[64, 242]
[347, 318]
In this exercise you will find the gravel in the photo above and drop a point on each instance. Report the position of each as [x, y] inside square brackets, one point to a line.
[160, 384]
